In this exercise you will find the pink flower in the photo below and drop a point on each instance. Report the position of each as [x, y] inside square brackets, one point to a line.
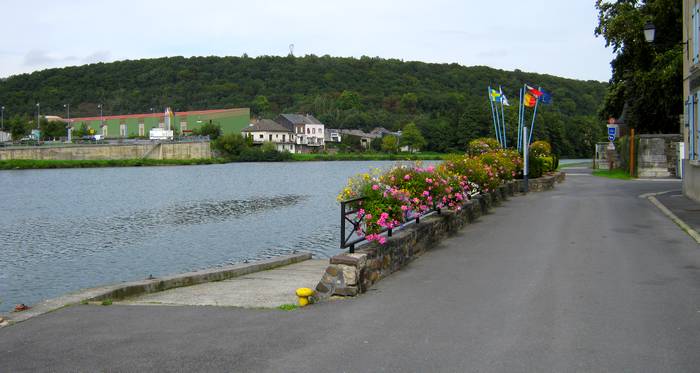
[375, 187]
[407, 177]
[426, 193]
[382, 240]
[404, 207]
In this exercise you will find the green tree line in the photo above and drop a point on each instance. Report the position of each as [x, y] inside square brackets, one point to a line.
[447, 102]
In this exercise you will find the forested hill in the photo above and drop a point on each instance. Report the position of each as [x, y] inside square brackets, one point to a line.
[447, 101]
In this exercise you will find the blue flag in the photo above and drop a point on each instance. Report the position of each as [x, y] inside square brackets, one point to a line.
[546, 97]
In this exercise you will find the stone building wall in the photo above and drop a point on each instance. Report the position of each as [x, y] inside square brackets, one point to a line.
[657, 155]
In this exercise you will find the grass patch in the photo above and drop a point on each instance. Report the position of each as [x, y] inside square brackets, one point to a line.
[369, 156]
[613, 174]
[107, 302]
[288, 307]
[25, 164]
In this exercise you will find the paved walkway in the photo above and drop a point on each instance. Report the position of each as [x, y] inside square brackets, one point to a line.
[266, 289]
[588, 277]
[683, 207]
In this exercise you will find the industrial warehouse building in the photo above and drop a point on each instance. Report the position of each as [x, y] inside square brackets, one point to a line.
[133, 125]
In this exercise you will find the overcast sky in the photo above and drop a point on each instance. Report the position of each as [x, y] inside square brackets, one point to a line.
[545, 36]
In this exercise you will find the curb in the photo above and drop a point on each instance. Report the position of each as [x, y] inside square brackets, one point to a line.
[129, 289]
[685, 227]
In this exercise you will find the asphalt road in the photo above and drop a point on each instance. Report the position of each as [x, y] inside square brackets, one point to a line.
[584, 278]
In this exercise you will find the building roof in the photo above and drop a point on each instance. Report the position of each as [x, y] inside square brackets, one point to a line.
[359, 133]
[266, 125]
[301, 119]
[156, 115]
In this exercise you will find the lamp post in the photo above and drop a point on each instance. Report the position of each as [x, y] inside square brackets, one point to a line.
[2, 118]
[68, 126]
[38, 118]
[101, 118]
[649, 32]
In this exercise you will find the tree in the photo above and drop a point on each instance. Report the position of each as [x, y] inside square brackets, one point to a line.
[412, 137]
[349, 100]
[260, 105]
[212, 130]
[52, 129]
[390, 144]
[646, 81]
[18, 127]
[230, 145]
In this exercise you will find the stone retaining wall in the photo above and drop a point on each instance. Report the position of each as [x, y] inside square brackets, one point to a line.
[181, 150]
[351, 274]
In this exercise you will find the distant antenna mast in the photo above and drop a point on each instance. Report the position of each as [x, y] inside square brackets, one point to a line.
[291, 50]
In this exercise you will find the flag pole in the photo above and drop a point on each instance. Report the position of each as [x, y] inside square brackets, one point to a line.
[503, 119]
[520, 120]
[493, 113]
[534, 115]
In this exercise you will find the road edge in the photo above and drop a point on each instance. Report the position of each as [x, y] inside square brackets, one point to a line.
[679, 222]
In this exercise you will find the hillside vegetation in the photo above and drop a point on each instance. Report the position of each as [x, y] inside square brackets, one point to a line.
[446, 101]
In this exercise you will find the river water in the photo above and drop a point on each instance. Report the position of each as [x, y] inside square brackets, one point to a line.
[68, 229]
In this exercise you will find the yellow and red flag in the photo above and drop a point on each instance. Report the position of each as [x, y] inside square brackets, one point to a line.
[530, 99]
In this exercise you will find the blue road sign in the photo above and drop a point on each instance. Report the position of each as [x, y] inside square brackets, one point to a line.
[611, 137]
[611, 131]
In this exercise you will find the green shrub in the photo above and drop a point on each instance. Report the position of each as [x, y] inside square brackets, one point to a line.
[482, 145]
[540, 149]
[547, 164]
[535, 167]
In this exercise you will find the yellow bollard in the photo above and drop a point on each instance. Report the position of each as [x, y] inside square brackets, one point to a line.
[304, 294]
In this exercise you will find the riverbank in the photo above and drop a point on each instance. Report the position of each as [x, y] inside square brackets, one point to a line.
[370, 157]
[27, 164]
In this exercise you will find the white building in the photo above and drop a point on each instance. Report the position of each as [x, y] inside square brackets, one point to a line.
[308, 131]
[266, 130]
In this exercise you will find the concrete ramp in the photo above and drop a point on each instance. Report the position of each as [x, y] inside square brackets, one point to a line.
[265, 289]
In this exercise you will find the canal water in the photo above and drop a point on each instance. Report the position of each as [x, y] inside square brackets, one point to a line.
[68, 229]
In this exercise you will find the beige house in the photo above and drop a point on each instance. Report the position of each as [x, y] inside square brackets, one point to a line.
[265, 130]
[691, 95]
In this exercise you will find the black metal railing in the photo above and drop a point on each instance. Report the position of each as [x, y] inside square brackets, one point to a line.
[350, 207]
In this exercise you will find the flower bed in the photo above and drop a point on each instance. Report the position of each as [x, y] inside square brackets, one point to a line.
[393, 197]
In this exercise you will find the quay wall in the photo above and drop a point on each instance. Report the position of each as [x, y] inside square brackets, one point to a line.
[183, 150]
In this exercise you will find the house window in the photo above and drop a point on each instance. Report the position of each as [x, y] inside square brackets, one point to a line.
[270, 137]
[313, 130]
[320, 130]
[696, 31]
[122, 130]
[142, 130]
[283, 138]
[262, 136]
[104, 131]
[308, 131]
[277, 136]
[183, 126]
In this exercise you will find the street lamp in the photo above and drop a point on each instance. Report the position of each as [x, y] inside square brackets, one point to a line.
[649, 32]
[101, 119]
[67, 106]
[2, 118]
[38, 118]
